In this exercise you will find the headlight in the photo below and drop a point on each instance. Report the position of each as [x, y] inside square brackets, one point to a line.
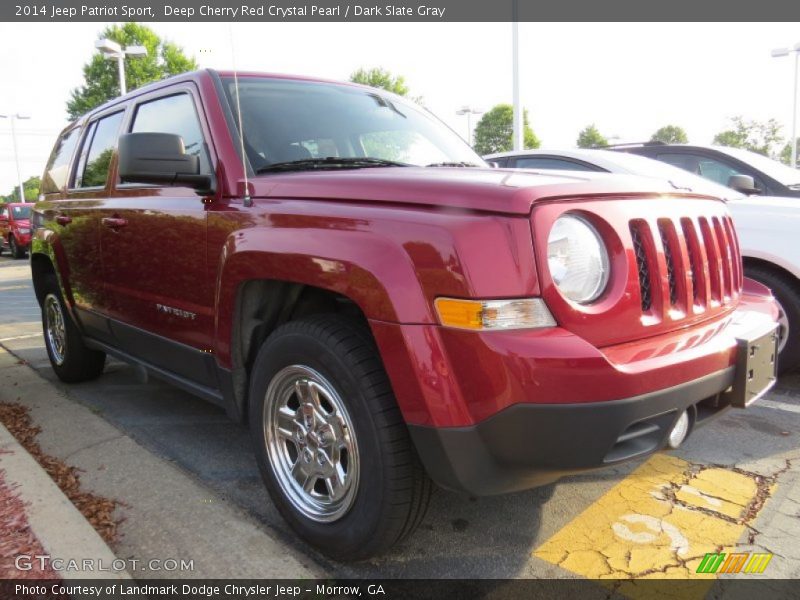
[577, 258]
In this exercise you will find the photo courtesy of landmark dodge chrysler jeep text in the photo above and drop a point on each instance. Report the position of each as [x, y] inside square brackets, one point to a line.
[343, 273]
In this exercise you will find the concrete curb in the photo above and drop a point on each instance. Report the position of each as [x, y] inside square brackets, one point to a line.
[60, 527]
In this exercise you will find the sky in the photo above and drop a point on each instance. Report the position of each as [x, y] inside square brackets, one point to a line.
[628, 79]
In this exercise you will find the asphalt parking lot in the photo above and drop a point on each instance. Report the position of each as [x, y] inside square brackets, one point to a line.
[735, 484]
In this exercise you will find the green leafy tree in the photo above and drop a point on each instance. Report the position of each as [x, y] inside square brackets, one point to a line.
[101, 76]
[30, 187]
[590, 137]
[670, 134]
[495, 131]
[786, 154]
[381, 78]
[752, 135]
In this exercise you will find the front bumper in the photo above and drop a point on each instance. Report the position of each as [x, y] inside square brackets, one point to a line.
[529, 445]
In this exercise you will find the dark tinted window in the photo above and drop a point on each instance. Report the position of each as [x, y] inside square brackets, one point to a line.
[541, 162]
[57, 172]
[177, 115]
[101, 149]
[4, 211]
[705, 166]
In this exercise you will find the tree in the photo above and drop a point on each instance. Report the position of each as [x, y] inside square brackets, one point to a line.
[380, 78]
[30, 189]
[751, 135]
[495, 131]
[101, 76]
[590, 137]
[670, 134]
[786, 154]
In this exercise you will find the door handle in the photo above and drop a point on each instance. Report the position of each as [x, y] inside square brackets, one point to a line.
[114, 222]
[63, 220]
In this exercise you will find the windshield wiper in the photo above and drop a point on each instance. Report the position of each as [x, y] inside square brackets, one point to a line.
[453, 164]
[330, 162]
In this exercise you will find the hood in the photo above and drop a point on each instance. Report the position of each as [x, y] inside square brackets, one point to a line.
[493, 190]
[22, 223]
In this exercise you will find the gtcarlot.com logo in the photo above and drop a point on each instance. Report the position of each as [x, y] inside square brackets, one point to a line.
[742, 562]
[27, 562]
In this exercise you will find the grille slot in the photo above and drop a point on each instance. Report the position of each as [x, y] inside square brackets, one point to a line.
[642, 265]
[668, 257]
[695, 262]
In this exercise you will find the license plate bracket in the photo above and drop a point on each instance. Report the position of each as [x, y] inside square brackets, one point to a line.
[756, 366]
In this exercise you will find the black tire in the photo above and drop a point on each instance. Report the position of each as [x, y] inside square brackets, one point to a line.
[73, 362]
[16, 251]
[787, 292]
[393, 490]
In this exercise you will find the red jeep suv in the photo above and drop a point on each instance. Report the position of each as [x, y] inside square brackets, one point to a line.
[15, 228]
[339, 270]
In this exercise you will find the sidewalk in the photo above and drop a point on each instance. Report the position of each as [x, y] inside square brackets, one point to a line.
[166, 515]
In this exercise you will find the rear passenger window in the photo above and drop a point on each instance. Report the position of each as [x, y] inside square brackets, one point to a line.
[176, 115]
[57, 171]
[99, 147]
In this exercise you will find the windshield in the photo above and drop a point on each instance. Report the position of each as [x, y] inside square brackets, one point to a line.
[287, 121]
[21, 212]
[771, 168]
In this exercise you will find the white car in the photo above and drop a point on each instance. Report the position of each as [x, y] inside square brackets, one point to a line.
[768, 227]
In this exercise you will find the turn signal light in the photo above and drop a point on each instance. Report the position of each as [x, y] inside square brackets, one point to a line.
[488, 315]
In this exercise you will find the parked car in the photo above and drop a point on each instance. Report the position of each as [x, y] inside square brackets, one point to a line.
[767, 226]
[15, 228]
[334, 273]
[745, 171]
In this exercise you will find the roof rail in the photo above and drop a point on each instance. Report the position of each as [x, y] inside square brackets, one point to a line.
[634, 144]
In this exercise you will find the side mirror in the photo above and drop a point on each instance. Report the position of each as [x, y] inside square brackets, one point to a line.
[492, 164]
[159, 158]
[744, 184]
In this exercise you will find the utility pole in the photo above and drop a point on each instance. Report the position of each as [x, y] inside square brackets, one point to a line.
[519, 143]
[13, 118]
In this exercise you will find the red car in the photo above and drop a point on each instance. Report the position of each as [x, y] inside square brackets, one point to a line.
[340, 271]
[15, 228]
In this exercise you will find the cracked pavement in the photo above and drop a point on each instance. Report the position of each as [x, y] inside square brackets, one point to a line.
[734, 485]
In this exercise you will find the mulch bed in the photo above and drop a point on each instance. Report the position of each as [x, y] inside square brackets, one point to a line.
[16, 538]
[97, 510]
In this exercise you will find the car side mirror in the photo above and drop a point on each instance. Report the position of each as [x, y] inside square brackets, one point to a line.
[492, 164]
[744, 184]
[160, 158]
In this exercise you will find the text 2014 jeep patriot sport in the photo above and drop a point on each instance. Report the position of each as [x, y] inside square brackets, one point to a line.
[341, 271]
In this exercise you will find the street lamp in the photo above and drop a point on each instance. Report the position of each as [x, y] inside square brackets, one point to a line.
[113, 51]
[469, 111]
[779, 52]
[13, 118]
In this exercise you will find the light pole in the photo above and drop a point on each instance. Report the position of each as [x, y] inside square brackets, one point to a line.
[113, 51]
[13, 118]
[469, 111]
[778, 52]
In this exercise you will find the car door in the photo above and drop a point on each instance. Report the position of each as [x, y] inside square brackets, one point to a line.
[73, 214]
[153, 245]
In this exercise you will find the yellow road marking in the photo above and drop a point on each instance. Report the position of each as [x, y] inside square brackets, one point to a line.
[658, 522]
[6, 288]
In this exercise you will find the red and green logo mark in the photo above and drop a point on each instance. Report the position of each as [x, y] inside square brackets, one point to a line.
[743, 562]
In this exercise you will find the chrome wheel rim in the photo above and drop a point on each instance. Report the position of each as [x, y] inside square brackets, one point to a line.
[311, 443]
[783, 327]
[55, 330]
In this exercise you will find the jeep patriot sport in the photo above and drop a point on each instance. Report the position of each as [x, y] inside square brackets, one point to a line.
[339, 270]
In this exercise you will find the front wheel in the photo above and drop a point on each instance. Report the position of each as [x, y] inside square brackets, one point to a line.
[787, 295]
[71, 360]
[15, 249]
[332, 446]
